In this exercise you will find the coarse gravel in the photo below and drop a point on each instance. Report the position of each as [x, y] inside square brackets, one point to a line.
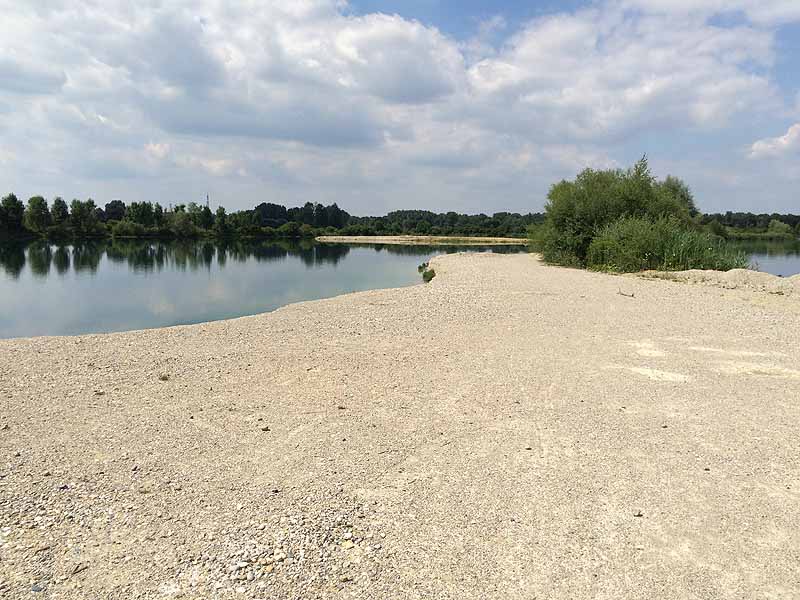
[510, 430]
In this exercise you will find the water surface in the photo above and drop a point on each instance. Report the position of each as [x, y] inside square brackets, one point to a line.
[104, 286]
[776, 257]
[118, 285]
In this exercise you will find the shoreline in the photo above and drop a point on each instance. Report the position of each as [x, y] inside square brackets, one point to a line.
[331, 447]
[422, 240]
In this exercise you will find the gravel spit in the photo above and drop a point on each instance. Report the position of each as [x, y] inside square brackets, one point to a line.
[511, 431]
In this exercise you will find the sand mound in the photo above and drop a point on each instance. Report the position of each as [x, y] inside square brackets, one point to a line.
[734, 279]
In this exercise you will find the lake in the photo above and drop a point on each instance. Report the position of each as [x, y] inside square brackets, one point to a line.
[122, 285]
[776, 257]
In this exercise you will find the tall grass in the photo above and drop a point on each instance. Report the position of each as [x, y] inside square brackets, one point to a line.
[637, 244]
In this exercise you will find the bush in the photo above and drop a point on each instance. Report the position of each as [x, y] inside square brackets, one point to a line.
[427, 275]
[289, 230]
[637, 244]
[128, 229]
[578, 210]
[181, 226]
[536, 234]
[779, 229]
[717, 229]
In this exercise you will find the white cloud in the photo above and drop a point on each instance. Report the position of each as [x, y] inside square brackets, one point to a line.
[599, 73]
[305, 98]
[778, 146]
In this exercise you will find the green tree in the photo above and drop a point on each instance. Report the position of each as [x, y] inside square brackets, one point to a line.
[221, 222]
[677, 189]
[181, 225]
[59, 211]
[37, 215]
[206, 218]
[12, 214]
[779, 228]
[115, 210]
[158, 215]
[141, 213]
[195, 213]
[83, 217]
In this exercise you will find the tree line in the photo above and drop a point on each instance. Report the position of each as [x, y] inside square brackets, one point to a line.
[85, 220]
[423, 222]
[745, 225]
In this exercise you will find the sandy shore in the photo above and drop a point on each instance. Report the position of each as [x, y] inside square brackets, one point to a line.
[421, 240]
[510, 430]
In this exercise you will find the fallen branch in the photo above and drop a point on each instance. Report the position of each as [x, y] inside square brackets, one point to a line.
[621, 293]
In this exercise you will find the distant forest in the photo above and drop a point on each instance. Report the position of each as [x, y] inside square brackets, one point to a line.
[85, 220]
[741, 225]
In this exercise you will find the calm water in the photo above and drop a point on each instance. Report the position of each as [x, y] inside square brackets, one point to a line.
[778, 258]
[118, 286]
[123, 285]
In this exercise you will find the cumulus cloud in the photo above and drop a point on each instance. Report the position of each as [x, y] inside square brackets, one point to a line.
[320, 102]
[778, 146]
[597, 73]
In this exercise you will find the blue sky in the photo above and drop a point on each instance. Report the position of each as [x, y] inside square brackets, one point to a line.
[472, 106]
[463, 19]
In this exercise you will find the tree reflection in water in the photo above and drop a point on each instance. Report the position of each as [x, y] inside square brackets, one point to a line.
[154, 255]
[148, 255]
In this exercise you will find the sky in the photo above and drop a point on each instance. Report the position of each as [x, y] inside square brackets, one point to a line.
[465, 105]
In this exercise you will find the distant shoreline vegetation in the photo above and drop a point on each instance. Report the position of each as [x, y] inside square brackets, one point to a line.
[610, 208]
[83, 220]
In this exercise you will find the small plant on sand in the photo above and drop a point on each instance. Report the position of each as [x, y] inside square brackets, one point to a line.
[428, 274]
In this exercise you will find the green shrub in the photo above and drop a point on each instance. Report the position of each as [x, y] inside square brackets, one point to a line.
[536, 235]
[779, 229]
[128, 229]
[717, 229]
[182, 227]
[427, 275]
[577, 211]
[637, 244]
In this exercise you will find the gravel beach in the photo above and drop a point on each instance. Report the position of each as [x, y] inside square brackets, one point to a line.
[508, 431]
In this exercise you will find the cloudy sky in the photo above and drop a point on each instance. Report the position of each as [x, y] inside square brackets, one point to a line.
[468, 105]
